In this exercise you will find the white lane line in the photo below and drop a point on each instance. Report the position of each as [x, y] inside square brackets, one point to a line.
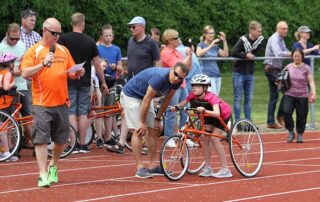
[196, 185]
[275, 194]
[293, 164]
[132, 163]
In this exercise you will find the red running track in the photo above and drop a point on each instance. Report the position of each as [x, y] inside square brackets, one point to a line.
[291, 172]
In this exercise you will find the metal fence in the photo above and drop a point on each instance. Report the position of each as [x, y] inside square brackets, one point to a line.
[312, 64]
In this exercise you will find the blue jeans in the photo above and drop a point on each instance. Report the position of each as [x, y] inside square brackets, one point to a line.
[171, 117]
[245, 83]
[215, 85]
[273, 97]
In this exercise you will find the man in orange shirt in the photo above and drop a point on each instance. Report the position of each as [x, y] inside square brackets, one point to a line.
[48, 70]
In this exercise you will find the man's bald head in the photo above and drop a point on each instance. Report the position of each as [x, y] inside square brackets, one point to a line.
[52, 24]
[282, 28]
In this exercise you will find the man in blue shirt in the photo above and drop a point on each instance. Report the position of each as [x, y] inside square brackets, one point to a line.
[140, 116]
[275, 48]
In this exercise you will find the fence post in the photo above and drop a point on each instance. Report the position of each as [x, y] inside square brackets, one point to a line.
[312, 112]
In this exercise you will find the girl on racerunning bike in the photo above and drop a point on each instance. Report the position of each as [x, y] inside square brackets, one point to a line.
[207, 102]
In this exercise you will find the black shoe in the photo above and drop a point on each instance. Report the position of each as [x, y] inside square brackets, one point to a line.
[99, 143]
[110, 142]
[84, 149]
[116, 148]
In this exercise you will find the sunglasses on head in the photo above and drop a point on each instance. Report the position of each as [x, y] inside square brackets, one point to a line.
[177, 75]
[13, 39]
[52, 32]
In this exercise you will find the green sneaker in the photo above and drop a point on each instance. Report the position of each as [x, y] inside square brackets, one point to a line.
[53, 174]
[43, 181]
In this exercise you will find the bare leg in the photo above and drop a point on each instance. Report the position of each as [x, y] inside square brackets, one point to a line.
[42, 156]
[152, 147]
[219, 148]
[124, 131]
[108, 128]
[83, 123]
[136, 149]
[57, 151]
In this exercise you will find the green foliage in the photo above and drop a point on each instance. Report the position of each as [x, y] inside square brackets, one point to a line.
[186, 16]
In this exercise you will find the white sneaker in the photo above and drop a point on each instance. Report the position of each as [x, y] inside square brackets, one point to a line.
[191, 144]
[206, 172]
[12, 158]
[171, 143]
[222, 173]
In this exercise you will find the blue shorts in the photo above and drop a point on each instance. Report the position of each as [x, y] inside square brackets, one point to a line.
[79, 100]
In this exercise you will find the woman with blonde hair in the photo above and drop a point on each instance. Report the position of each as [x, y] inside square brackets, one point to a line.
[209, 47]
[303, 35]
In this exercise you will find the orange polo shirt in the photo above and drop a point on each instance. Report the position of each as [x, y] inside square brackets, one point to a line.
[49, 84]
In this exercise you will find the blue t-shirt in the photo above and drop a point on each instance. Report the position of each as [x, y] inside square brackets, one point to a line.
[111, 54]
[297, 45]
[156, 77]
[210, 67]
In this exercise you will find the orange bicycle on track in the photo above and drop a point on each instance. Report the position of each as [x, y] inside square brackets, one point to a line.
[243, 137]
[11, 126]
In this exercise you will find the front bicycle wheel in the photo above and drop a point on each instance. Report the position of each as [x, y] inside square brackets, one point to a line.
[173, 154]
[246, 148]
[10, 136]
[196, 153]
[69, 146]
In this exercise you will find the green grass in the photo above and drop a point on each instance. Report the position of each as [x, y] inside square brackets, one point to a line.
[260, 96]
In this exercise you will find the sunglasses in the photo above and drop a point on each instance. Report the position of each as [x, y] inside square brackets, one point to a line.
[52, 32]
[177, 75]
[175, 38]
[133, 26]
[13, 39]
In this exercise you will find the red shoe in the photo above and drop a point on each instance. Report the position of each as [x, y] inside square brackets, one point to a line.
[274, 126]
[280, 120]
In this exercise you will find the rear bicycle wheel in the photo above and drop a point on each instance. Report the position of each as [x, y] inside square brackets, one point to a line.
[68, 147]
[172, 158]
[246, 148]
[10, 136]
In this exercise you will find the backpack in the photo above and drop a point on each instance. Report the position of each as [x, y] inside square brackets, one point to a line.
[283, 81]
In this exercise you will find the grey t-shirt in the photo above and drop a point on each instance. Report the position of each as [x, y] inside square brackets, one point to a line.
[141, 55]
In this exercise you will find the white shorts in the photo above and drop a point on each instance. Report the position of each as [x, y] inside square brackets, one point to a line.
[132, 110]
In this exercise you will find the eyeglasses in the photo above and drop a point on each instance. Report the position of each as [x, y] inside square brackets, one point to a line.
[177, 75]
[211, 33]
[13, 39]
[52, 32]
[175, 38]
[107, 35]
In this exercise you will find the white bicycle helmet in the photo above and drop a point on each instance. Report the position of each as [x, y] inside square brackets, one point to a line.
[201, 79]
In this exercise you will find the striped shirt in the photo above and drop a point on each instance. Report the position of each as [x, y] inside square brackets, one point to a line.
[29, 39]
[275, 48]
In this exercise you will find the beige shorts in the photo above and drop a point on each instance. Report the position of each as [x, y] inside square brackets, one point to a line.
[132, 110]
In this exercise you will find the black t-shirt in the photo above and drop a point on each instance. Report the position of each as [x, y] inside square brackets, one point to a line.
[82, 48]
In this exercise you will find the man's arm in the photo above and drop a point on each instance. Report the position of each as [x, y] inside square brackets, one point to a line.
[238, 51]
[165, 103]
[97, 66]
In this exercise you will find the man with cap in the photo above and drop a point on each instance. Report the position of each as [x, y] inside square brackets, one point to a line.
[143, 51]
[303, 35]
[276, 47]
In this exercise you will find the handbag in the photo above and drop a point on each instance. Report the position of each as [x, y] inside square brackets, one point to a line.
[283, 81]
